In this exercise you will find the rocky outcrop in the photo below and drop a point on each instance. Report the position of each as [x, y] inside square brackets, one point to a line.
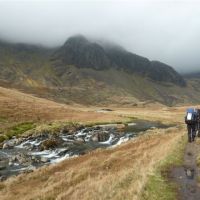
[82, 53]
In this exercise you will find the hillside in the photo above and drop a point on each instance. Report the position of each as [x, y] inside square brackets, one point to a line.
[104, 173]
[88, 72]
[17, 107]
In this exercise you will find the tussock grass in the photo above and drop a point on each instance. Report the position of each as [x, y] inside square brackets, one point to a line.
[118, 173]
[19, 129]
[158, 185]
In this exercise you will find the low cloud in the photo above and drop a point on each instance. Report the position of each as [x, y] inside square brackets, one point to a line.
[160, 30]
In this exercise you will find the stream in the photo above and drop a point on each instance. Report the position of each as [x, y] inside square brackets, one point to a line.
[21, 155]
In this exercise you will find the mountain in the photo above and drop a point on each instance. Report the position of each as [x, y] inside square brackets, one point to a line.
[89, 72]
[78, 51]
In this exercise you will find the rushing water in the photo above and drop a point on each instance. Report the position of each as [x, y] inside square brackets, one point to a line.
[27, 154]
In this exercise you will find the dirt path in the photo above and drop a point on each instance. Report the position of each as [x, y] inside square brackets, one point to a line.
[187, 176]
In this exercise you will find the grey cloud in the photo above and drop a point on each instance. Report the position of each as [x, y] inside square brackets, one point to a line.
[160, 30]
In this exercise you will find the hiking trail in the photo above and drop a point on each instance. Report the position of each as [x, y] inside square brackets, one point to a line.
[187, 176]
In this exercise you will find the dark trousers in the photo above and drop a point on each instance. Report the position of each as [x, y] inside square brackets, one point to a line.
[191, 132]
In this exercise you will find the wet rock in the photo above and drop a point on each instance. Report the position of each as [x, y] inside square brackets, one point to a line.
[121, 127]
[19, 141]
[28, 146]
[100, 136]
[95, 138]
[35, 159]
[104, 136]
[24, 159]
[62, 153]
[48, 144]
[79, 140]
[13, 158]
[44, 160]
[70, 137]
[2, 178]
[8, 145]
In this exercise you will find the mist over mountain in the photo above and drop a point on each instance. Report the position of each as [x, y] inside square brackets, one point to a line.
[160, 30]
[86, 71]
[81, 52]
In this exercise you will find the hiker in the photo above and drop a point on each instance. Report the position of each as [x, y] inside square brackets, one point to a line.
[191, 121]
[198, 122]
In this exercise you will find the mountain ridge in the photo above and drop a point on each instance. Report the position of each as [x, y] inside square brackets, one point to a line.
[86, 72]
[81, 52]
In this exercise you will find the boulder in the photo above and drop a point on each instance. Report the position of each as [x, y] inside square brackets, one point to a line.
[79, 140]
[2, 178]
[8, 145]
[95, 138]
[62, 153]
[49, 144]
[103, 136]
[121, 127]
[24, 159]
[100, 136]
[44, 160]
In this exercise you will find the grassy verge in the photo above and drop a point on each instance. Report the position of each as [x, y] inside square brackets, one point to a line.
[29, 128]
[158, 187]
[17, 130]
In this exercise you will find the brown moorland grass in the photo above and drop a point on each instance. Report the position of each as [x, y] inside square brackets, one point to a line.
[118, 173]
[17, 107]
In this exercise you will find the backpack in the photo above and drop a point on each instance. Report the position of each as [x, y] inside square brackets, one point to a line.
[191, 116]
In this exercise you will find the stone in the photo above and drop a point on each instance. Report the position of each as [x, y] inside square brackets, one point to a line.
[24, 160]
[44, 160]
[48, 144]
[8, 145]
[121, 126]
[10, 163]
[12, 159]
[95, 138]
[2, 178]
[80, 140]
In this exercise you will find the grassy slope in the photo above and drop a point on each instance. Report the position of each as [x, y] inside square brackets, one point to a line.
[103, 174]
[17, 107]
[32, 70]
[157, 186]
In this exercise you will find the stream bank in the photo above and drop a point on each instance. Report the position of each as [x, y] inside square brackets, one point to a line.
[25, 154]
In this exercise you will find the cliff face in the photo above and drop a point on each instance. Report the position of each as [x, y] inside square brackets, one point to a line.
[80, 52]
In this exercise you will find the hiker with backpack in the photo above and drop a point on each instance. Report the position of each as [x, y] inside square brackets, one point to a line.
[198, 122]
[191, 119]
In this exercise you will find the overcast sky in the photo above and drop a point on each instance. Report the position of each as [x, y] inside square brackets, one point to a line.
[165, 30]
